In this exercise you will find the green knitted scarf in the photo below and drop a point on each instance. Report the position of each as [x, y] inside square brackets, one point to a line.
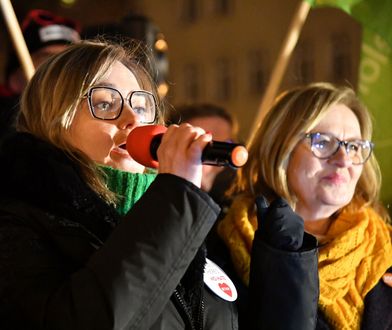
[129, 187]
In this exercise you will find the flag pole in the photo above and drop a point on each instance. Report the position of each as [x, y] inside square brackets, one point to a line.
[288, 46]
[17, 38]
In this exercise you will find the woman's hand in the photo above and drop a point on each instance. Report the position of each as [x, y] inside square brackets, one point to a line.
[180, 152]
[279, 225]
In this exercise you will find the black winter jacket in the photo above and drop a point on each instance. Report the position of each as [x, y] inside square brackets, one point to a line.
[9, 108]
[285, 290]
[68, 262]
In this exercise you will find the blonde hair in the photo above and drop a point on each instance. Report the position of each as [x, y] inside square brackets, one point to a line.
[55, 92]
[294, 113]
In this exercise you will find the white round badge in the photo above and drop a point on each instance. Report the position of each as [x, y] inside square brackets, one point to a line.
[218, 282]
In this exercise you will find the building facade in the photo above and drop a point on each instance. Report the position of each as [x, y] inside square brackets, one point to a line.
[224, 51]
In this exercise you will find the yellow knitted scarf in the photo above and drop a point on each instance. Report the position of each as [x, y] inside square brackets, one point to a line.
[357, 254]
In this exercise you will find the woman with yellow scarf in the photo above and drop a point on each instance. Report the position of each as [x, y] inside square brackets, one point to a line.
[313, 150]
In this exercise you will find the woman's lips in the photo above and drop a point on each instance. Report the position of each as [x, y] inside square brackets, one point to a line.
[335, 178]
[121, 150]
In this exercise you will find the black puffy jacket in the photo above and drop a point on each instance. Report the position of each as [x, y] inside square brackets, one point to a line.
[9, 108]
[284, 289]
[68, 262]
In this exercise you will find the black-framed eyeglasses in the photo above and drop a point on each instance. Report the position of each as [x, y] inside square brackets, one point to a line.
[107, 103]
[324, 145]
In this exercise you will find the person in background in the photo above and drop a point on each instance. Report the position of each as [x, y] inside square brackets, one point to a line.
[313, 154]
[223, 127]
[45, 34]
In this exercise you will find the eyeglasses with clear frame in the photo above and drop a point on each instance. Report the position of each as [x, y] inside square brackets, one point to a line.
[107, 103]
[324, 145]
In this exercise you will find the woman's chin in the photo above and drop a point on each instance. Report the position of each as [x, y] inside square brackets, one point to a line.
[126, 165]
[129, 166]
[337, 201]
[124, 162]
[321, 208]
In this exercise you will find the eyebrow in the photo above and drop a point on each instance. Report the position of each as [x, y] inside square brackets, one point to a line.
[108, 84]
[333, 135]
[105, 84]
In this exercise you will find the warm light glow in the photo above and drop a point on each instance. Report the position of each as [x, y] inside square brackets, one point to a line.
[163, 88]
[68, 3]
[161, 45]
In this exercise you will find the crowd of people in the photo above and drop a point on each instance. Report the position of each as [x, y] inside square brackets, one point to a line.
[91, 239]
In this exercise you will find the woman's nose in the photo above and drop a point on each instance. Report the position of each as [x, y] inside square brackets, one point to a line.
[128, 117]
[341, 158]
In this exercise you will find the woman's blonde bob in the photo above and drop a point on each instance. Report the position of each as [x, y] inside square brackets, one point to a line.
[295, 113]
[55, 92]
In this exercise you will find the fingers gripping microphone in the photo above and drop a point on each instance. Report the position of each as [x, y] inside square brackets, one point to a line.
[143, 143]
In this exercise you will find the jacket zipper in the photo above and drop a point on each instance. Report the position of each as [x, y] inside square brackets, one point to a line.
[201, 313]
[189, 319]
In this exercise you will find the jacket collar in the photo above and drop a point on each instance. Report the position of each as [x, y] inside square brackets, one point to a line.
[37, 173]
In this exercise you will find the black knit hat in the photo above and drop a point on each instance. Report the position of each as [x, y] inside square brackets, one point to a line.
[42, 28]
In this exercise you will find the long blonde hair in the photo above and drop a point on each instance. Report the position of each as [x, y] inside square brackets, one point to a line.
[294, 113]
[53, 95]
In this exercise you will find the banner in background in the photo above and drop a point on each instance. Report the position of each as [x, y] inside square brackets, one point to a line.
[375, 74]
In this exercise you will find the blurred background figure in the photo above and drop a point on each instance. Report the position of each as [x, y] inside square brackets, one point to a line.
[45, 34]
[223, 127]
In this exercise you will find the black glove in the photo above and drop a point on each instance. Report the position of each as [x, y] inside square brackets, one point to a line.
[279, 225]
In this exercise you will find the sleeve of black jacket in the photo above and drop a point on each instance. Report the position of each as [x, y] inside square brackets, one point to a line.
[154, 247]
[283, 286]
[128, 281]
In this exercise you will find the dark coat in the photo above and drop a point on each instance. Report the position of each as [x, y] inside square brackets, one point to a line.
[9, 108]
[67, 261]
[286, 293]
[283, 290]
